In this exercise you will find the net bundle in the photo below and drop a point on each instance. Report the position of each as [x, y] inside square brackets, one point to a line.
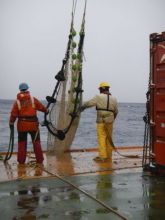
[66, 101]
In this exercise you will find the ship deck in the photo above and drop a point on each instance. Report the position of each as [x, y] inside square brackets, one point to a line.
[74, 186]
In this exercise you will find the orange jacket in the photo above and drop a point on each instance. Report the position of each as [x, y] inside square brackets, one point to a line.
[26, 107]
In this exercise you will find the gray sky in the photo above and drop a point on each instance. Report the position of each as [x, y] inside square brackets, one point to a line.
[34, 35]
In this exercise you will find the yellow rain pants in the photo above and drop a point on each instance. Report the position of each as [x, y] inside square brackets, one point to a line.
[105, 148]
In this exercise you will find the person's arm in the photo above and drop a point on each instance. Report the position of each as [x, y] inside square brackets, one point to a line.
[90, 103]
[13, 115]
[39, 106]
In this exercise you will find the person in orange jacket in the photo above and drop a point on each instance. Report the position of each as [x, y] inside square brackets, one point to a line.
[25, 109]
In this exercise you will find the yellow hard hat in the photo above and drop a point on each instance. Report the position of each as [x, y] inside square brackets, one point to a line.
[104, 84]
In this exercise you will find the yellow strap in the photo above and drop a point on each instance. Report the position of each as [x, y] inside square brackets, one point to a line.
[19, 105]
[33, 104]
[29, 156]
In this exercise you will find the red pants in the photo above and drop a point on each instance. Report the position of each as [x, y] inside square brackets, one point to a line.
[22, 145]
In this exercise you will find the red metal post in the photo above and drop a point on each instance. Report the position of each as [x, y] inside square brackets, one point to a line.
[157, 100]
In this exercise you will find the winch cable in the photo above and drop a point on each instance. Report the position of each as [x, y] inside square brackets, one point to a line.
[86, 193]
[74, 8]
[60, 77]
[10, 148]
[111, 142]
[146, 120]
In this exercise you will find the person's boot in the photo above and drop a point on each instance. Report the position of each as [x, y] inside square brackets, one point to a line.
[99, 159]
[109, 152]
[38, 151]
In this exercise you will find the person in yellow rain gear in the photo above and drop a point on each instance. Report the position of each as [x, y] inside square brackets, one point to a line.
[107, 110]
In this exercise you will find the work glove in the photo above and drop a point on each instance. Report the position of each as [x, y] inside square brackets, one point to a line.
[47, 112]
[11, 127]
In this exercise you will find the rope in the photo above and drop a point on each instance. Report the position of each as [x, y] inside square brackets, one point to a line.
[84, 9]
[29, 155]
[10, 148]
[74, 8]
[111, 142]
[104, 170]
[108, 207]
[20, 177]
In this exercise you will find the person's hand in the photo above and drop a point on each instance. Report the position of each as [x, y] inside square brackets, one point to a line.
[11, 126]
[82, 109]
[47, 112]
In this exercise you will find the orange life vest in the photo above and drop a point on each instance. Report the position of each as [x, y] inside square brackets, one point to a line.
[25, 109]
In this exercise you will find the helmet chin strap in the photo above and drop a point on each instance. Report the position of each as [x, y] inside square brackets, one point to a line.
[24, 90]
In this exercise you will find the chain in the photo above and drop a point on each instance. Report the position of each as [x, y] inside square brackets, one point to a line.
[146, 119]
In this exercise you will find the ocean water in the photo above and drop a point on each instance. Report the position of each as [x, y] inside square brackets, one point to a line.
[128, 127]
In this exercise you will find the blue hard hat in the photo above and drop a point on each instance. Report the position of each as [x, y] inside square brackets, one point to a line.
[23, 86]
